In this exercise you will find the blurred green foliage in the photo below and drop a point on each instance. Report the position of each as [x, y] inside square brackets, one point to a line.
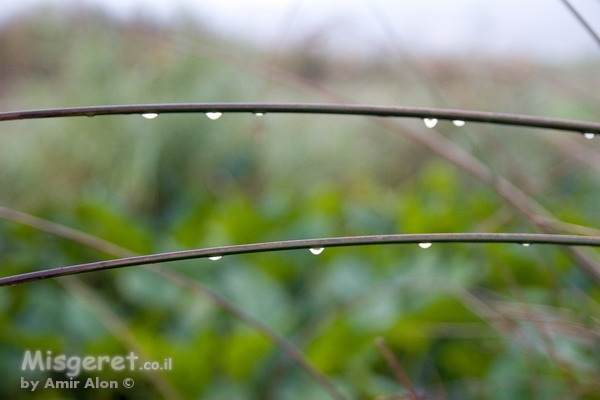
[464, 321]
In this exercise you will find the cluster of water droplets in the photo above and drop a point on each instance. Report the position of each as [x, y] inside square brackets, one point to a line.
[319, 250]
[212, 115]
[432, 122]
[429, 122]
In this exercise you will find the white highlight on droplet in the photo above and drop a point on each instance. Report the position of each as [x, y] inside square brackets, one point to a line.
[458, 122]
[259, 114]
[150, 115]
[214, 115]
[589, 135]
[430, 122]
[425, 245]
[215, 258]
[316, 250]
[525, 244]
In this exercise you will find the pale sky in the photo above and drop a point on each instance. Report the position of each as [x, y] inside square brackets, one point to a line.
[537, 28]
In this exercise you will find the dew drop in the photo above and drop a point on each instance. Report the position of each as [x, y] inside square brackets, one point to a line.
[589, 135]
[525, 244]
[458, 122]
[424, 245]
[150, 115]
[259, 114]
[316, 250]
[215, 258]
[430, 122]
[214, 115]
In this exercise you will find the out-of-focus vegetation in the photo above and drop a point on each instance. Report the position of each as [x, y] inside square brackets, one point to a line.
[463, 321]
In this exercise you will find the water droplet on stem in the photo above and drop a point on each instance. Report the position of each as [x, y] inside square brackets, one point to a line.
[424, 245]
[215, 258]
[150, 115]
[316, 250]
[214, 115]
[458, 122]
[430, 122]
[589, 135]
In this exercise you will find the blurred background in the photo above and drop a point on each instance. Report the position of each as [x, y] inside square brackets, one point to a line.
[462, 320]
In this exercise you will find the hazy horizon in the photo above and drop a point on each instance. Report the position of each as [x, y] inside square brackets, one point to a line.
[538, 29]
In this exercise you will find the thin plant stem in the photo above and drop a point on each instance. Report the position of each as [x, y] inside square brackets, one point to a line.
[312, 108]
[286, 346]
[396, 368]
[180, 280]
[312, 244]
[582, 21]
[53, 228]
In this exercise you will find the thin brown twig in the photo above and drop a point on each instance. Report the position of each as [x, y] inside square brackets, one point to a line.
[396, 367]
[576, 150]
[582, 21]
[64, 231]
[287, 347]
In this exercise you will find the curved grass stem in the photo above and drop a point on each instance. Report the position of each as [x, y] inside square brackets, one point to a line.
[213, 252]
[312, 108]
[287, 347]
